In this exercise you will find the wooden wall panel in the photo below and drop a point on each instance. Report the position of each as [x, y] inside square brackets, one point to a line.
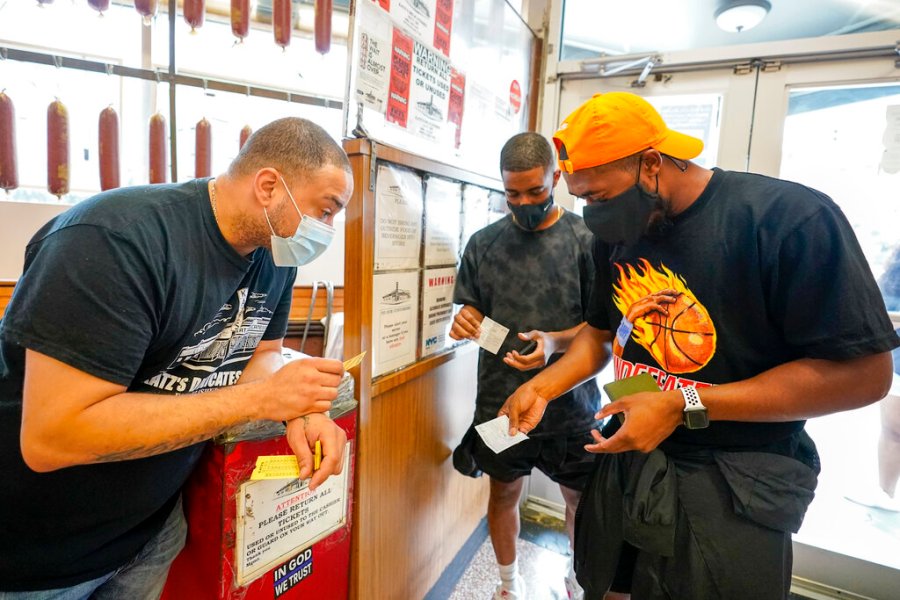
[300, 305]
[6, 289]
[414, 510]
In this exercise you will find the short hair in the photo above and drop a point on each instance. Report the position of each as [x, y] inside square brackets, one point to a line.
[296, 147]
[628, 163]
[525, 151]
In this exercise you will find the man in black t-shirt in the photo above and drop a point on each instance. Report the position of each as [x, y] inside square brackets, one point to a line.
[148, 320]
[749, 302]
[531, 272]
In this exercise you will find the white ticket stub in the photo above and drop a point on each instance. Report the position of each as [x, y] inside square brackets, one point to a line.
[492, 335]
[495, 434]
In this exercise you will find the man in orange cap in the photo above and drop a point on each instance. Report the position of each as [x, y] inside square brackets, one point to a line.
[748, 301]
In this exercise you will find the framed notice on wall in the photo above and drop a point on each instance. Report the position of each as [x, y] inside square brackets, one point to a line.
[476, 203]
[398, 218]
[395, 320]
[443, 204]
[437, 309]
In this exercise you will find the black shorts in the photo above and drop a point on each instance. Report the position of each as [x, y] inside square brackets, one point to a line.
[563, 459]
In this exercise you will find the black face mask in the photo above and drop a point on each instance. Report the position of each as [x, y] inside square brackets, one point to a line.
[530, 216]
[622, 219]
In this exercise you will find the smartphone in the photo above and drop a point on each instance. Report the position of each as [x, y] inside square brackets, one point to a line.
[528, 348]
[645, 382]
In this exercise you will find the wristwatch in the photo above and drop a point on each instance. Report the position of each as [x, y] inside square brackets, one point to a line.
[695, 415]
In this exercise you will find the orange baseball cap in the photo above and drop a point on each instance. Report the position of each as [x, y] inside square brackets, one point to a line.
[615, 125]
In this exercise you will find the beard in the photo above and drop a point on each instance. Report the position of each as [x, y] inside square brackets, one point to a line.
[660, 223]
[251, 228]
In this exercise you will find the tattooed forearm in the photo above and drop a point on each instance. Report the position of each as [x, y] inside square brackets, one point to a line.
[154, 449]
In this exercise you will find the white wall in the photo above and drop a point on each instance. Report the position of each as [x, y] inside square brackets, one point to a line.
[18, 222]
[329, 266]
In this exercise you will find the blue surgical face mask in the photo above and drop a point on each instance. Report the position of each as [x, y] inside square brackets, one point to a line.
[308, 243]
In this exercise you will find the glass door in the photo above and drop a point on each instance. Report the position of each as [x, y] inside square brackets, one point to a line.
[836, 128]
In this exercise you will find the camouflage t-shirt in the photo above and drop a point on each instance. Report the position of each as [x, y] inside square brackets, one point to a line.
[528, 280]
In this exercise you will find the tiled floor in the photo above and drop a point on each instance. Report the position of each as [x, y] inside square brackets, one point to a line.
[543, 555]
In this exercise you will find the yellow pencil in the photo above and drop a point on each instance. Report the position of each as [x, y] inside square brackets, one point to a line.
[317, 456]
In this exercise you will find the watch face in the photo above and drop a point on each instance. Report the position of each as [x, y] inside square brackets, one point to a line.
[696, 419]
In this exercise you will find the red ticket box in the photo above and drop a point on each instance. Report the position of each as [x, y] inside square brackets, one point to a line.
[269, 538]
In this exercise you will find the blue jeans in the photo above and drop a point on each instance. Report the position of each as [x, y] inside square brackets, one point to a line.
[141, 579]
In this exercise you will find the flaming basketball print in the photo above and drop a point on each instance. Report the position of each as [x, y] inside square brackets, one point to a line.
[683, 341]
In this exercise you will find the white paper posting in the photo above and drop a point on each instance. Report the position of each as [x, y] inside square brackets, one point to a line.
[495, 434]
[492, 335]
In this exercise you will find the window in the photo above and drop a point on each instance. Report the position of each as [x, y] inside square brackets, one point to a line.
[616, 27]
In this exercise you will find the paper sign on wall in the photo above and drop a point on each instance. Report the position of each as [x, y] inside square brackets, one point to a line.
[374, 58]
[395, 320]
[429, 96]
[401, 72]
[443, 203]
[437, 309]
[443, 23]
[398, 218]
[416, 16]
[476, 202]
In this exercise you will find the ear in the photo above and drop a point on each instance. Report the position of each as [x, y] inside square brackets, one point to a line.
[652, 161]
[555, 178]
[266, 182]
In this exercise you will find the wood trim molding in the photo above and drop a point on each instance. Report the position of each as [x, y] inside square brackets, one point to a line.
[6, 290]
[299, 306]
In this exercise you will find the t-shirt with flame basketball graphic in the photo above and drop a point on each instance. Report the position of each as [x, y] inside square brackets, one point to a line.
[757, 272]
[683, 339]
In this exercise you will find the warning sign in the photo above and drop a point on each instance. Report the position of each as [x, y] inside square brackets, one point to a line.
[515, 96]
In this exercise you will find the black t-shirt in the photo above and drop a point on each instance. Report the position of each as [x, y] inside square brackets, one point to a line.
[138, 287]
[769, 272]
[528, 280]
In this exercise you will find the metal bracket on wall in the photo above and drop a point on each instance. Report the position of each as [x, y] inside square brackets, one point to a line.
[373, 165]
[641, 81]
[897, 52]
[766, 66]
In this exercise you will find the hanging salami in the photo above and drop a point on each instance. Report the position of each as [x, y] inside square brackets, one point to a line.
[194, 13]
[240, 18]
[99, 5]
[147, 9]
[57, 149]
[245, 133]
[157, 149]
[9, 175]
[203, 149]
[323, 26]
[109, 149]
[281, 22]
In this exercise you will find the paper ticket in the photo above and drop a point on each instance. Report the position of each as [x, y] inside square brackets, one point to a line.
[352, 362]
[492, 335]
[276, 467]
[495, 434]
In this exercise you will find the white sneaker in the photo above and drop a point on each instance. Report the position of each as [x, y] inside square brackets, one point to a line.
[573, 590]
[874, 497]
[517, 592]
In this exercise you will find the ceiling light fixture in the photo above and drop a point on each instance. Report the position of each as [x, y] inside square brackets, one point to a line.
[736, 16]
